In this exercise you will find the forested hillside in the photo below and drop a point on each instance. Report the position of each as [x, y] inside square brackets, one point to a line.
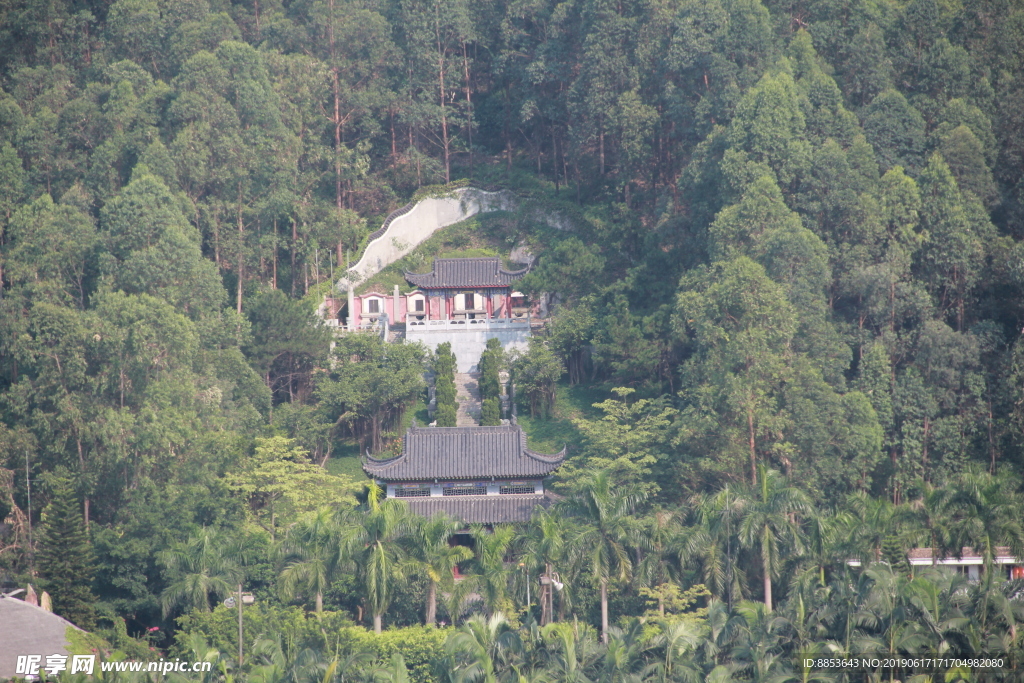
[793, 286]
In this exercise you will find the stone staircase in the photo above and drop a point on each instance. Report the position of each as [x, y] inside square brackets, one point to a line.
[396, 332]
[467, 393]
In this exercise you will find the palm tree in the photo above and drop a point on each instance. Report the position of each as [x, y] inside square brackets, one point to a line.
[658, 535]
[711, 541]
[871, 521]
[545, 549]
[200, 567]
[760, 636]
[624, 654]
[491, 572]
[768, 522]
[824, 544]
[394, 672]
[436, 558]
[986, 515]
[679, 641]
[482, 646]
[571, 650]
[893, 617]
[928, 515]
[382, 562]
[605, 510]
[316, 551]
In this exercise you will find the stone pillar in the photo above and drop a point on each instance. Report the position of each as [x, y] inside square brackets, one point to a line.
[353, 316]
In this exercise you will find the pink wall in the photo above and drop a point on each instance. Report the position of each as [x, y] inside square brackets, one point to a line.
[439, 306]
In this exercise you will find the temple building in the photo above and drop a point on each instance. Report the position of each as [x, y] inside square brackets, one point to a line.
[482, 475]
[463, 301]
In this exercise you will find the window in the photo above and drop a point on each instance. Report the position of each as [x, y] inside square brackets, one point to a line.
[412, 491]
[470, 301]
[417, 305]
[465, 490]
[373, 306]
[516, 489]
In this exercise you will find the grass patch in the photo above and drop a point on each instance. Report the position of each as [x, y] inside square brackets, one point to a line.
[571, 403]
[346, 466]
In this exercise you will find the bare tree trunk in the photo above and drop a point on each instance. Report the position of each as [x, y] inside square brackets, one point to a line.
[431, 619]
[753, 449]
[337, 141]
[469, 103]
[81, 468]
[377, 623]
[604, 612]
[554, 157]
[319, 602]
[295, 239]
[767, 585]
[241, 249]
[924, 447]
[440, 82]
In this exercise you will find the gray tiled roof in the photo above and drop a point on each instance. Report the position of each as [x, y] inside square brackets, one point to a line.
[466, 272]
[464, 453]
[481, 509]
[29, 630]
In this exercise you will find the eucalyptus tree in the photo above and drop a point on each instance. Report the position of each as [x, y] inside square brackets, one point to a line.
[769, 521]
[602, 546]
[739, 325]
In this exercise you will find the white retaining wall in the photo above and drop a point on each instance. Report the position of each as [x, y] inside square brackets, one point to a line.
[412, 229]
[469, 337]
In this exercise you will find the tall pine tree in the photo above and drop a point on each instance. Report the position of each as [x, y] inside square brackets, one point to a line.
[64, 558]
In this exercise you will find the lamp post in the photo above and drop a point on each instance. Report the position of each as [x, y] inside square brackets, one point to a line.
[239, 599]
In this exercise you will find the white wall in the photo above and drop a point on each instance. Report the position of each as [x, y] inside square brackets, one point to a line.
[469, 338]
[428, 216]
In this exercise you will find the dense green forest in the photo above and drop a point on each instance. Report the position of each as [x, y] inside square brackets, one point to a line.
[788, 329]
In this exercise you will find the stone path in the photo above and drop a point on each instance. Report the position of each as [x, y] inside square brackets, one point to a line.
[467, 393]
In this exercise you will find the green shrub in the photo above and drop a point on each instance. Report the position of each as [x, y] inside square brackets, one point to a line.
[490, 412]
[219, 628]
[446, 415]
[418, 645]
